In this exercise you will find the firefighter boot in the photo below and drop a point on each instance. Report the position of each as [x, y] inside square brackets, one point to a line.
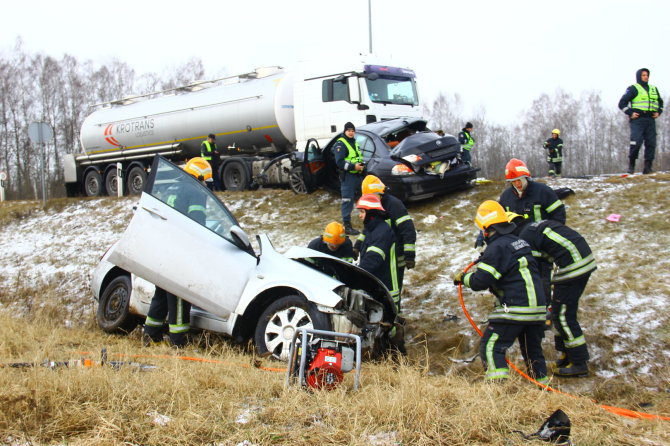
[631, 165]
[647, 166]
[574, 370]
[562, 360]
[349, 230]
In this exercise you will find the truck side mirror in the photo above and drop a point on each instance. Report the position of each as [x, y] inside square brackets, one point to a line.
[354, 91]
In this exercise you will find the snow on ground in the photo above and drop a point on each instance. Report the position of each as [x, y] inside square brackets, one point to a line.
[61, 248]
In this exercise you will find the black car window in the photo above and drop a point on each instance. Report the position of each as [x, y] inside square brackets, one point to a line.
[366, 145]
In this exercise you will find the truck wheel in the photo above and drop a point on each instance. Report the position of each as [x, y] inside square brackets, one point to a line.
[279, 321]
[137, 177]
[296, 181]
[235, 176]
[111, 183]
[93, 184]
[113, 314]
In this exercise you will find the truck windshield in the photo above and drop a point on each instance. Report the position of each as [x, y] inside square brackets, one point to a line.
[393, 90]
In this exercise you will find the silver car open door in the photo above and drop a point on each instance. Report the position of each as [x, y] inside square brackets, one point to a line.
[189, 254]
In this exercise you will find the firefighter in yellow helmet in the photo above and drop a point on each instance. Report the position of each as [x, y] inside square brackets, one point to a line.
[189, 199]
[335, 242]
[554, 148]
[508, 269]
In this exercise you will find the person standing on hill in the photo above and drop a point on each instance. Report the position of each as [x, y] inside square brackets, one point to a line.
[554, 146]
[642, 103]
[467, 142]
[349, 161]
[507, 268]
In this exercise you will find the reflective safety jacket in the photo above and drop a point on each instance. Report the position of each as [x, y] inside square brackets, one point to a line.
[378, 255]
[539, 202]
[206, 150]
[562, 246]
[554, 150]
[466, 141]
[508, 269]
[345, 251]
[347, 154]
[646, 101]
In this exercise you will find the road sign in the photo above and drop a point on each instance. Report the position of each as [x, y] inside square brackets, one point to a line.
[3, 176]
[40, 132]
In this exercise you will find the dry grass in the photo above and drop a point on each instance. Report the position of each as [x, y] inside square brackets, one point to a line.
[437, 397]
[229, 402]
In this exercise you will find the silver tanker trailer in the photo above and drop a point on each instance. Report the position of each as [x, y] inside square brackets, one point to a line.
[261, 119]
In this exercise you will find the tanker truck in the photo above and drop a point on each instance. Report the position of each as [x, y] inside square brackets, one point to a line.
[262, 121]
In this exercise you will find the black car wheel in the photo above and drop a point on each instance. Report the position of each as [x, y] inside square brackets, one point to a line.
[113, 313]
[279, 322]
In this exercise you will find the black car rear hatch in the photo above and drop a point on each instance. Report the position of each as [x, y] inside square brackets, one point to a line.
[421, 149]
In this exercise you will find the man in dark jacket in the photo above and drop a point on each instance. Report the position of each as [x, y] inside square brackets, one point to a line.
[377, 254]
[567, 249]
[643, 104]
[554, 147]
[467, 142]
[527, 197]
[210, 153]
[334, 242]
[401, 223]
[507, 268]
[349, 161]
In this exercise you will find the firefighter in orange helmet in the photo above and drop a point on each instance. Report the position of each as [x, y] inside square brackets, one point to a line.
[536, 201]
[335, 242]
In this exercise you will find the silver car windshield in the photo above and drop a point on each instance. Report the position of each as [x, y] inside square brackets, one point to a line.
[178, 189]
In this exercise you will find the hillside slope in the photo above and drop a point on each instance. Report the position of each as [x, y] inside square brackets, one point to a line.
[48, 254]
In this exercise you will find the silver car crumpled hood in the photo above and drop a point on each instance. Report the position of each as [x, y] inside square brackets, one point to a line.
[347, 273]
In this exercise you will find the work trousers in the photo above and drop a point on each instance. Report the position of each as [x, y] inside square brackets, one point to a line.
[642, 130]
[350, 188]
[178, 313]
[466, 157]
[555, 167]
[569, 338]
[498, 337]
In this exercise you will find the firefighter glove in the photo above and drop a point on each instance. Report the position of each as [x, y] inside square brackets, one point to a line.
[410, 263]
[458, 277]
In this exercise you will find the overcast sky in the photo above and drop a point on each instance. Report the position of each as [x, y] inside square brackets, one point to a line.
[498, 55]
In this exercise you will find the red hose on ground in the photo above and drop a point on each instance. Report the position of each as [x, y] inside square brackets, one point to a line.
[615, 410]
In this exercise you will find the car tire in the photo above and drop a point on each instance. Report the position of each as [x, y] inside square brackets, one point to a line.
[279, 321]
[296, 181]
[235, 176]
[113, 314]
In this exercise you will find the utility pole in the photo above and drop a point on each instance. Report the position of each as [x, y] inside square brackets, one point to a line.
[370, 23]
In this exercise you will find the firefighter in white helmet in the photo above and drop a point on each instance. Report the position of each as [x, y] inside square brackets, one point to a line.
[187, 198]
